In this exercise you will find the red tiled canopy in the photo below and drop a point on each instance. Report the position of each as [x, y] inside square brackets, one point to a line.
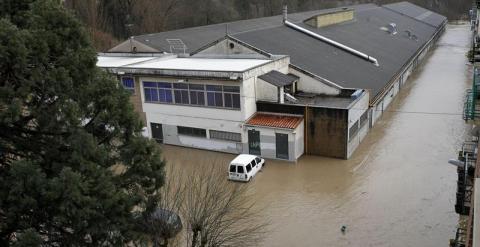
[275, 121]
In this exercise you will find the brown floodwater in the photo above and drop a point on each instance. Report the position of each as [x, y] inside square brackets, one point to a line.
[396, 190]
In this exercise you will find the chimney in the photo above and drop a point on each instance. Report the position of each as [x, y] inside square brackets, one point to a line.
[285, 13]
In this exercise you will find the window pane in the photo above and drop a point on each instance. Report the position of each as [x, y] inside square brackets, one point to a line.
[193, 98]
[214, 88]
[236, 101]
[178, 97]
[219, 99]
[191, 131]
[232, 89]
[128, 82]
[185, 97]
[148, 97]
[211, 99]
[164, 85]
[168, 96]
[228, 100]
[201, 98]
[249, 168]
[233, 168]
[154, 94]
[149, 84]
[196, 87]
[240, 169]
[180, 86]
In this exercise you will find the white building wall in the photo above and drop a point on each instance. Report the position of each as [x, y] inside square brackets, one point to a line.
[299, 140]
[357, 109]
[268, 142]
[266, 91]
[354, 117]
[248, 94]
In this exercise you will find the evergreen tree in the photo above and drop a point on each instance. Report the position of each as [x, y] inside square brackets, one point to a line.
[73, 163]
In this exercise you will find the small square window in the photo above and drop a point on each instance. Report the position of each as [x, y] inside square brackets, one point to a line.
[128, 83]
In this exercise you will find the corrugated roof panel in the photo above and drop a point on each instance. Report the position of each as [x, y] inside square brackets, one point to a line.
[275, 120]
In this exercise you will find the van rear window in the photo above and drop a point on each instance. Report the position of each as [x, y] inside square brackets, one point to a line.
[233, 168]
[240, 169]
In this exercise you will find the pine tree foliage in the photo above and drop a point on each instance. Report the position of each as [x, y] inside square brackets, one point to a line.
[73, 162]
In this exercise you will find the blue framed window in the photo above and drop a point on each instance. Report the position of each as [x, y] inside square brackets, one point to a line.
[128, 83]
[214, 95]
[192, 94]
[157, 92]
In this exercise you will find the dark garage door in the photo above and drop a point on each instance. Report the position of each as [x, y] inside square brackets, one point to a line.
[157, 132]
[281, 141]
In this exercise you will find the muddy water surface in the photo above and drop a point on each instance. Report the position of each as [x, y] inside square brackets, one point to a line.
[396, 190]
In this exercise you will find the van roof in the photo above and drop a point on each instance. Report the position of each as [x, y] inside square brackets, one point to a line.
[243, 159]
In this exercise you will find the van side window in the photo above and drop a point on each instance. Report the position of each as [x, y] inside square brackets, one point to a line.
[249, 168]
[233, 168]
[253, 164]
[258, 160]
[240, 169]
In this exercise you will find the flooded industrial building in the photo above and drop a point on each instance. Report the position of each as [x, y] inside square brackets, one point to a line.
[396, 190]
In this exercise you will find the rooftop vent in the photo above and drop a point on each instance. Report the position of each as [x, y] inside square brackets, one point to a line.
[410, 35]
[392, 28]
[330, 18]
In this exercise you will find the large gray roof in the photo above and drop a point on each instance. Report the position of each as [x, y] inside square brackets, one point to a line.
[417, 13]
[365, 33]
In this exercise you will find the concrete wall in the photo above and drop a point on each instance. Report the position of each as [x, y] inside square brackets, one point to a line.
[298, 134]
[326, 132]
[354, 115]
[172, 137]
[266, 91]
[310, 84]
[268, 142]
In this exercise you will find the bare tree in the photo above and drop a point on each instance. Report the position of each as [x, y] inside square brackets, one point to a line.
[162, 227]
[219, 212]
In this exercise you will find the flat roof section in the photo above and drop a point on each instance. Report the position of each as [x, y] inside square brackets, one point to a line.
[275, 120]
[119, 61]
[202, 64]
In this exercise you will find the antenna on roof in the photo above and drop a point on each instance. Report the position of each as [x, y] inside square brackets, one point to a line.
[285, 13]
[176, 44]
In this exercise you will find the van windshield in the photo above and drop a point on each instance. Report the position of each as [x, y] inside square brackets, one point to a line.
[240, 169]
[233, 168]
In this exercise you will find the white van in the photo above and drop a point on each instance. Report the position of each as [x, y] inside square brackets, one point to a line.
[244, 167]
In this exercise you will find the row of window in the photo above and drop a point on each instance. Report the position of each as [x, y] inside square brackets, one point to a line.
[214, 134]
[192, 94]
[352, 132]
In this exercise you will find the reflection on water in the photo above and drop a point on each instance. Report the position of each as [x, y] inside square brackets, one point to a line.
[396, 190]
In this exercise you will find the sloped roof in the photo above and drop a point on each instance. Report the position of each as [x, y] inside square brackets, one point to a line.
[275, 120]
[365, 33]
[416, 12]
[278, 79]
